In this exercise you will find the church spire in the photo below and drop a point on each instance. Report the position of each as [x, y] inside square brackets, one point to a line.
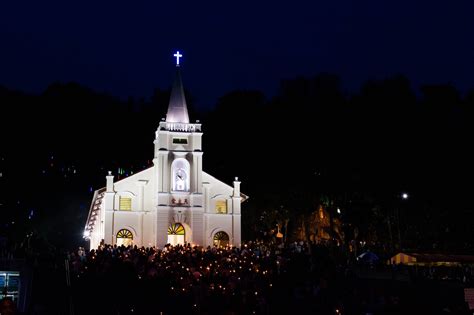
[177, 109]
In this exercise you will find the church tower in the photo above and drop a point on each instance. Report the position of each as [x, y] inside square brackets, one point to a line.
[178, 164]
[172, 202]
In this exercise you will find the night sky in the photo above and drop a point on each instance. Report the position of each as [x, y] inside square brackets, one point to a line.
[126, 49]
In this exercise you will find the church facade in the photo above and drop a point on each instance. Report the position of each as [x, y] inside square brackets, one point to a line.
[172, 202]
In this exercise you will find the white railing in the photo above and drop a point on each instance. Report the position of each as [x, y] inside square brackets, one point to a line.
[182, 127]
[94, 209]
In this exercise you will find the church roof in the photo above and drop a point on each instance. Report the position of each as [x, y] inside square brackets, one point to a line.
[177, 109]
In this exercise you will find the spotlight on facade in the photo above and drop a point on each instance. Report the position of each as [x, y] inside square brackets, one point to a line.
[86, 234]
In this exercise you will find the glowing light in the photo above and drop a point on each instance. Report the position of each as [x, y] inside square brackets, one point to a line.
[87, 233]
[338, 210]
[404, 196]
[177, 55]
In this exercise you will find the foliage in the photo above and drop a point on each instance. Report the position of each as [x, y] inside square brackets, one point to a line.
[311, 145]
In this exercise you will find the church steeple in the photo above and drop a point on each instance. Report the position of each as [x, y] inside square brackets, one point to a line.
[177, 109]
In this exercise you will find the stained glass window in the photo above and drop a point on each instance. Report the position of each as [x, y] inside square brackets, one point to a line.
[124, 233]
[125, 203]
[176, 229]
[221, 206]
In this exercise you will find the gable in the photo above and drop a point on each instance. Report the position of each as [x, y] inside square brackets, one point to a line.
[130, 183]
[218, 187]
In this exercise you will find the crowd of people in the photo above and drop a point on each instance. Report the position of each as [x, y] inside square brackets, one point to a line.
[185, 279]
[257, 278]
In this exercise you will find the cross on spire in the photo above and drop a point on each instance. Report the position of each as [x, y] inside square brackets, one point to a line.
[177, 55]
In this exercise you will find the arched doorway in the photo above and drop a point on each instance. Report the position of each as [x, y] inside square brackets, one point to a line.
[221, 239]
[176, 234]
[124, 237]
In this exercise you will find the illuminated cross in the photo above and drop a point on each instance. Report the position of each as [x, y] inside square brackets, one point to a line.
[177, 55]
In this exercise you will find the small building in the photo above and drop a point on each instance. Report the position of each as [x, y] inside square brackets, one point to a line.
[420, 259]
[15, 282]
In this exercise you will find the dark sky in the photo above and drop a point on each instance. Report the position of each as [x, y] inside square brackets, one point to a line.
[125, 47]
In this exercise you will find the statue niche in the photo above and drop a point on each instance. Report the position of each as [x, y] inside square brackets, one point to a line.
[180, 175]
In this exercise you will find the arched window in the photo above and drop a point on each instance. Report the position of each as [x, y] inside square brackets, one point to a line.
[124, 237]
[176, 234]
[180, 175]
[221, 239]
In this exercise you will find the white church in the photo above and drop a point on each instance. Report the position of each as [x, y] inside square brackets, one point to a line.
[172, 202]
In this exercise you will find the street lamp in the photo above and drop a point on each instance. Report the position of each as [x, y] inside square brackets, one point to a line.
[404, 197]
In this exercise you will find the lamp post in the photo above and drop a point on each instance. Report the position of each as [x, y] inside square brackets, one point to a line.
[404, 196]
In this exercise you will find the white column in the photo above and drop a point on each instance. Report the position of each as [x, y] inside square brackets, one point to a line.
[194, 174]
[197, 172]
[162, 222]
[110, 182]
[206, 205]
[236, 200]
[165, 171]
[207, 198]
[157, 186]
[141, 194]
[108, 217]
[162, 170]
[236, 187]
[198, 226]
[236, 237]
[199, 175]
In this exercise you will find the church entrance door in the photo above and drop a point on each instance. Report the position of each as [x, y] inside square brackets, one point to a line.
[176, 234]
[124, 237]
[221, 239]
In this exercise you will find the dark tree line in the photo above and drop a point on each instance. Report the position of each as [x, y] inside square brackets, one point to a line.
[312, 144]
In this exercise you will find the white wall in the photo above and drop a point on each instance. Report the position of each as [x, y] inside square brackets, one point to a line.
[150, 188]
[216, 223]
